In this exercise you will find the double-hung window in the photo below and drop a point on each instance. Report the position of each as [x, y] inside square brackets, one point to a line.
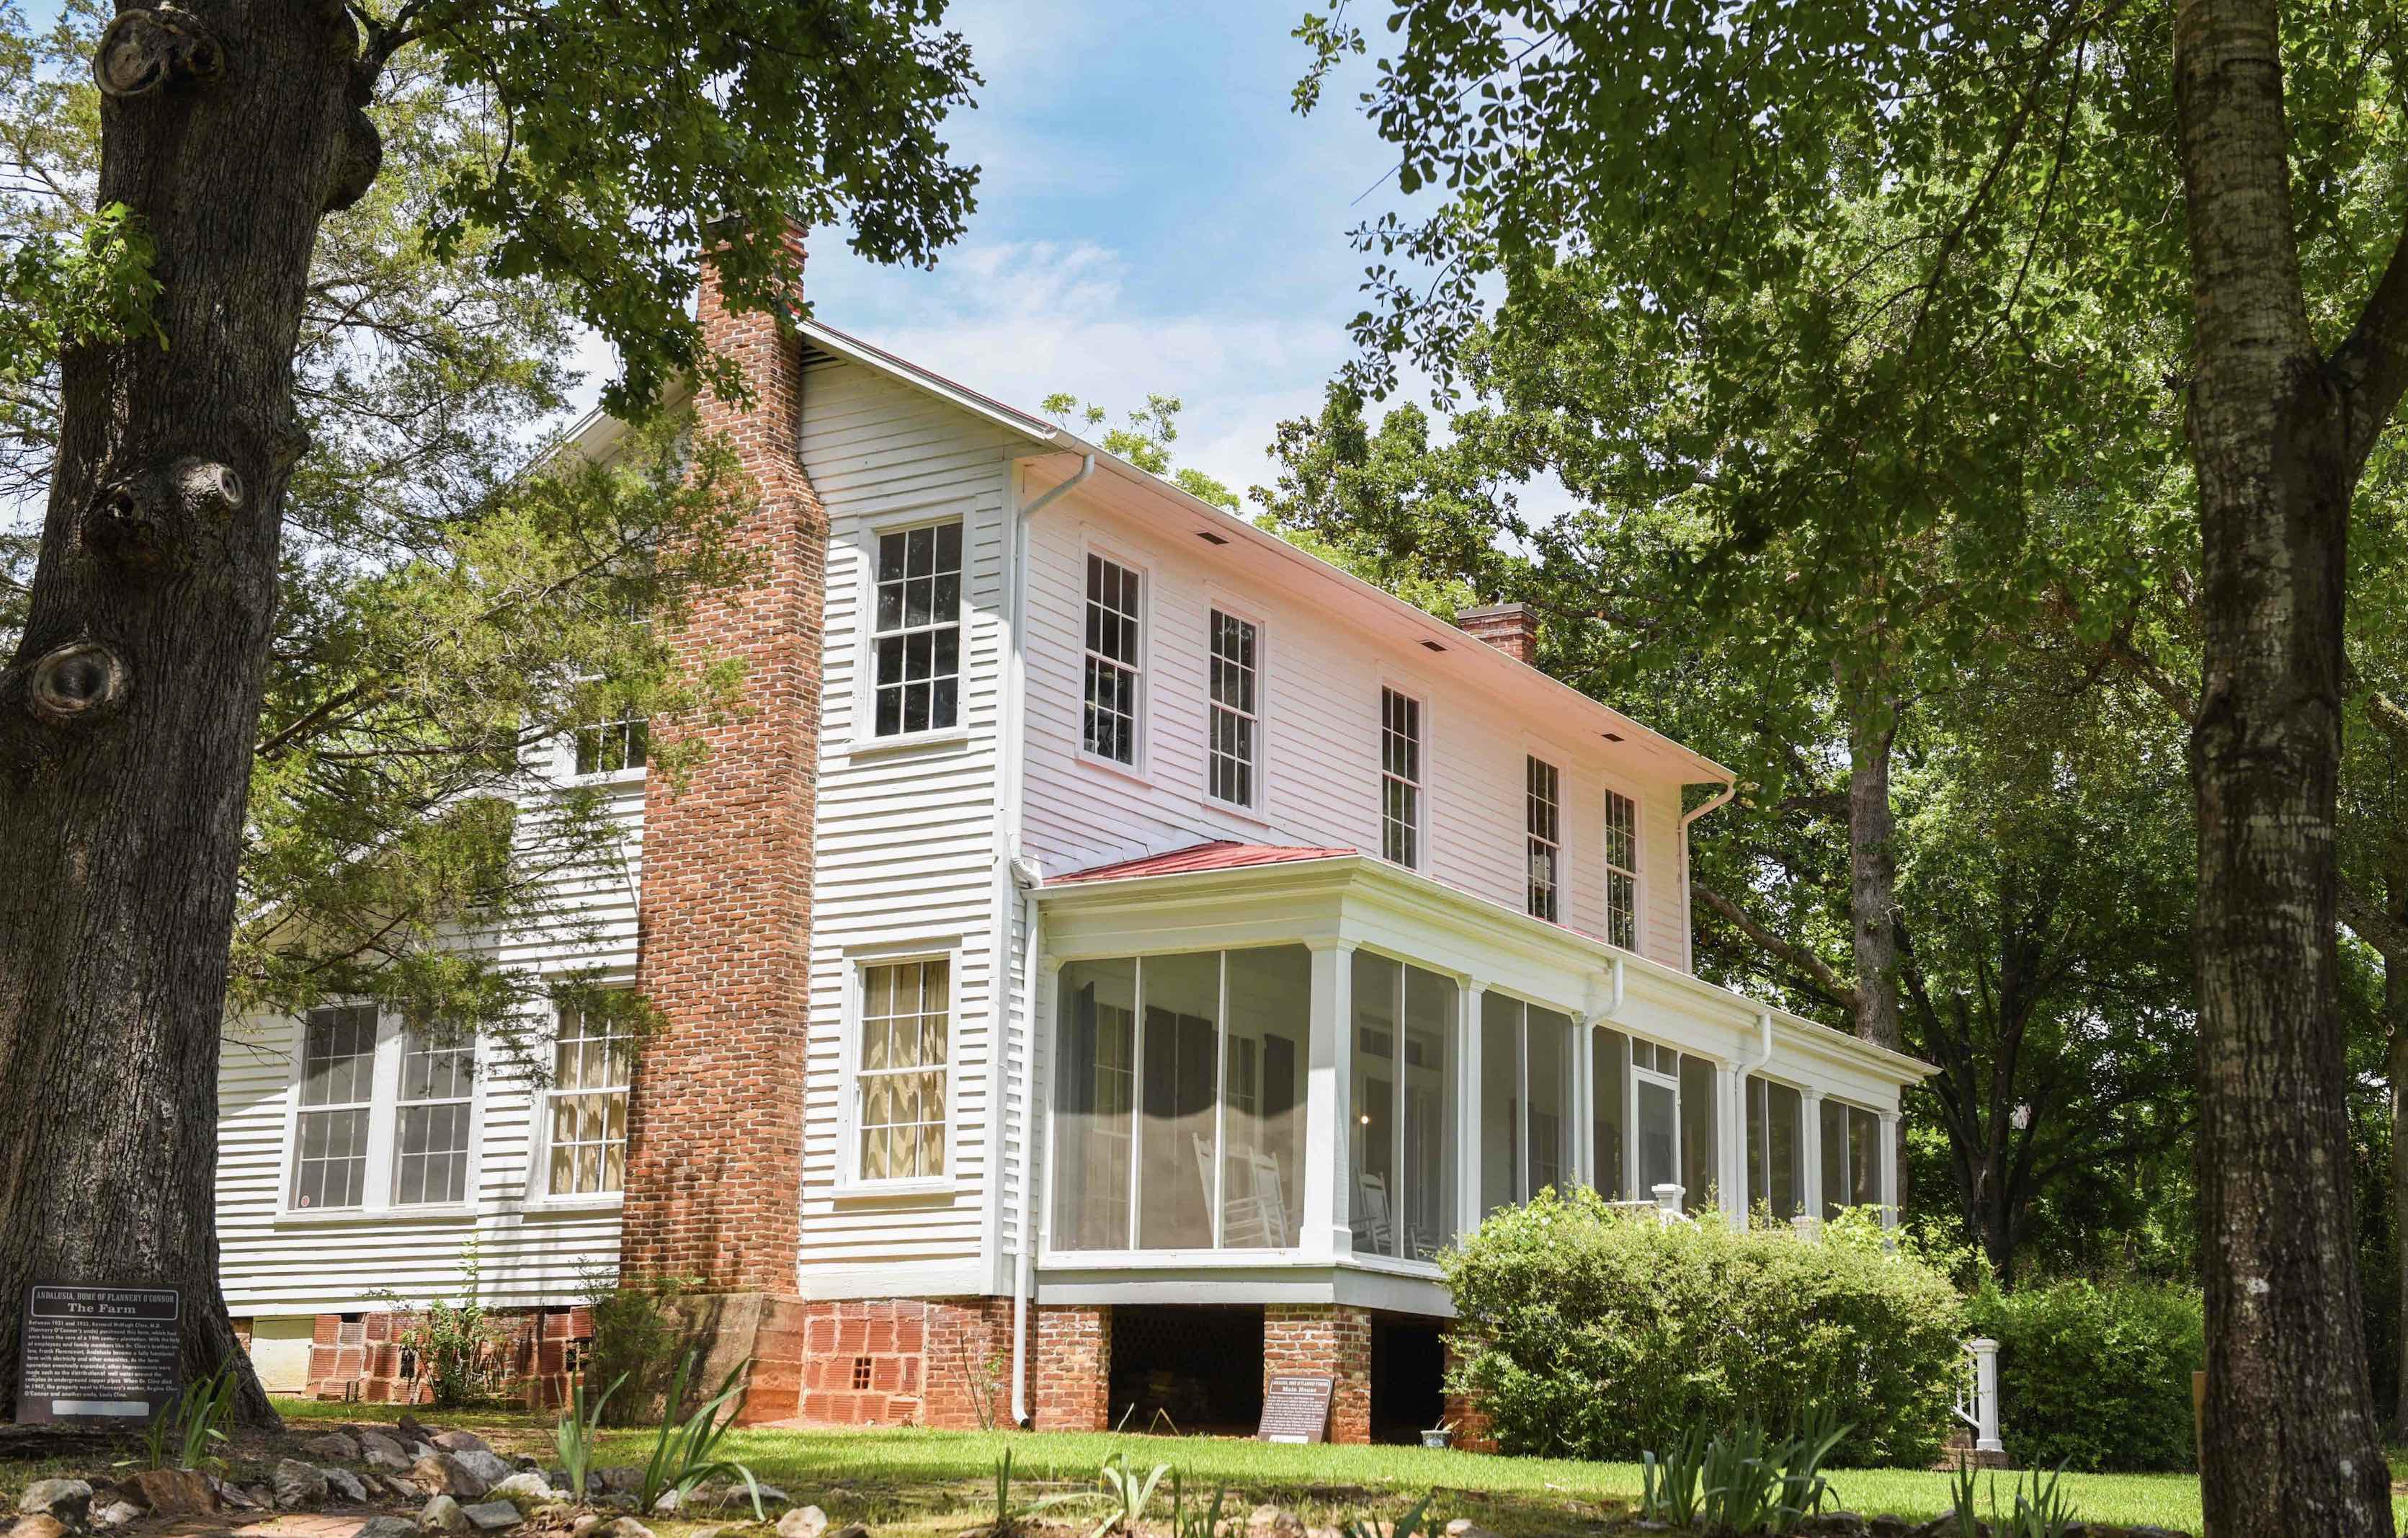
[900, 1083]
[1621, 870]
[916, 634]
[1401, 777]
[612, 747]
[1115, 671]
[438, 1080]
[338, 1054]
[1237, 723]
[592, 1059]
[1546, 850]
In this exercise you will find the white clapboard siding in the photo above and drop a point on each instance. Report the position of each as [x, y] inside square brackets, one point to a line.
[906, 856]
[1321, 673]
[279, 1263]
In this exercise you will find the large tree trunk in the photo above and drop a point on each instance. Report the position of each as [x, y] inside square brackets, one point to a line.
[1872, 868]
[2395, 1018]
[126, 718]
[2291, 1440]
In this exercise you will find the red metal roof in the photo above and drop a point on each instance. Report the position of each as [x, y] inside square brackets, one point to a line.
[1220, 854]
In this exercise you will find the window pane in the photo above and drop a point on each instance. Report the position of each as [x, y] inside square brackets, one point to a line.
[1864, 1158]
[1371, 1140]
[333, 1167]
[1181, 995]
[1094, 1104]
[1609, 1074]
[1658, 1136]
[1500, 1102]
[1698, 1161]
[338, 1060]
[1835, 1158]
[1262, 1162]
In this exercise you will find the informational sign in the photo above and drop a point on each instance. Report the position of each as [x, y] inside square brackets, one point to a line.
[1295, 1408]
[98, 1354]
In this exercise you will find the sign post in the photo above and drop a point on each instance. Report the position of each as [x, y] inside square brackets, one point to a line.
[1296, 1407]
[98, 1355]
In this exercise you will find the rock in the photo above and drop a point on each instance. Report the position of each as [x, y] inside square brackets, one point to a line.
[409, 1429]
[1833, 1524]
[40, 1524]
[380, 1451]
[707, 1532]
[620, 1479]
[176, 1492]
[116, 1515]
[490, 1467]
[669, 1500]
[65, 1498]
[557, 1515]
[1275, 1522]
[530, 1486]
[1886, 1527]
[407, 1490]
[297, 1485]
[492, 1516]
[460, 1441]
[339, 1446]
[233, 1494]
[442, 1515]
[440, 1474]
[259, 1497]
[803, 1522]
[623, 1527]
[388, 1527]
[584, 1524]
[770, 1495]
[343, 1482]
[851, 1530]
[1463, 1527]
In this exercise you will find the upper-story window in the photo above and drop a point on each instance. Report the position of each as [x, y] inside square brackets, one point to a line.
[1401, 777]
[899, 1081]
[1114, 678]
[1236, 724]
[612, 747]
[1621, 870]
[917, 634]
[1540, 785]
[593, 1059]
[330, 1166]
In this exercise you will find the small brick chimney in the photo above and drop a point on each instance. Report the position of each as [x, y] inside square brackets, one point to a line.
[1509, 627]
[715, 1122]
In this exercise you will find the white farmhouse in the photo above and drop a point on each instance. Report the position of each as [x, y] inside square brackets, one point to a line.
[1107, 920]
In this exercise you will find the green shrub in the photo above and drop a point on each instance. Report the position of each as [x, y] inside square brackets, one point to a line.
[2096, 1377]
[1592, 1333]
[640, 1337]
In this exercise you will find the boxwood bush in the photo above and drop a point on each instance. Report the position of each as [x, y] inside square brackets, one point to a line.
[2097, 1377]
[1587, 1332]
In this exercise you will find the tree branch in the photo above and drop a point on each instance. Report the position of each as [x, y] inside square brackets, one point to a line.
[2373, 362]
[2368, 920]
[1817, 973]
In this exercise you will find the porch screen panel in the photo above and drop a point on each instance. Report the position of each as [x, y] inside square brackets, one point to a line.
[1180, 997]
[1659, 1157]
[1776, 1173]
[1864, 1158]
[1547, 1049]
[1263, 1094]
[1372, 1207]
[1094, 1104]
[1609, 1070]
[1427, 1208]
[1698, 1163]
[1835, 1158]
[1500, 1102]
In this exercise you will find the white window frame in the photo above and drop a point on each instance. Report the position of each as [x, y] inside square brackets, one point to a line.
[1754, 1090]
[1884, 1195]
[1215, 611]
[538, 1183]
[1632, 1076]
[403, 1104]
[850, 1180]
[1532, 840]
[570, 748]
[1425, 749]
[1141, 739]
[380, 1179]
[1608, 869]
[865, 735]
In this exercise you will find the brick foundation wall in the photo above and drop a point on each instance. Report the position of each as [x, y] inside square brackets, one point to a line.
[1474, 1430]
[1325, 1338]
[714, 1159]
[942, 1362]
[372, 1357]
[1074, 1368]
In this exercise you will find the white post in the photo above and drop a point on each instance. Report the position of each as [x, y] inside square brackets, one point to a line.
[1890, 1169]
[1986, 1396]
[1466, 1099]
[1667, 1203]
[1812, 1114]
[1583, 1113]
[1803, 1224]
[1734, 1142]
[1326, 1105]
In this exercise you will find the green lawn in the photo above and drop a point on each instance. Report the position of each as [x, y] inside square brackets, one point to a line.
[905, 1483]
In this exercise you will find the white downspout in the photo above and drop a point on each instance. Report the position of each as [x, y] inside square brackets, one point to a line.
[1738, 1111]
[1028, 877]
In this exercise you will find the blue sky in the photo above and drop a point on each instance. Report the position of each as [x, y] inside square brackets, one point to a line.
[1152, 217]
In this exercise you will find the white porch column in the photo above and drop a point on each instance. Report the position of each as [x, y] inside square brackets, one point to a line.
[1735, 1192]
[1327, 1103]
[1467, 1102]
[1890, 1169]
[1584, 1110]
[1814, 1155]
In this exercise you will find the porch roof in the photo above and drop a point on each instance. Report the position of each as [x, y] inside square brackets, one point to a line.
[1217, 855]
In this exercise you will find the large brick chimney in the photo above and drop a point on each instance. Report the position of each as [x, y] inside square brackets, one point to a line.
[1509, 627]
[715, 1149]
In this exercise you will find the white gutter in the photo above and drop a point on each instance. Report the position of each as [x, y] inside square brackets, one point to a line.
[1027, 876]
